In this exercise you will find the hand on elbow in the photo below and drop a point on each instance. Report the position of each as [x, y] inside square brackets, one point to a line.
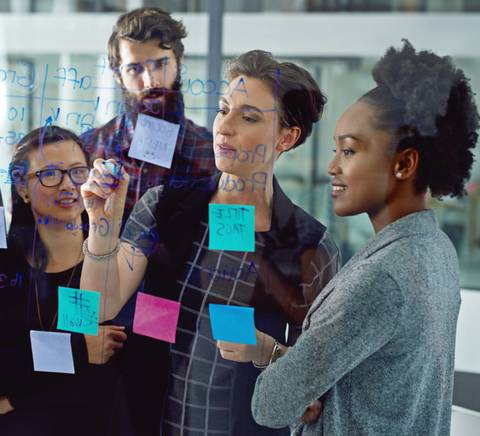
[102, 347]
[313, 412]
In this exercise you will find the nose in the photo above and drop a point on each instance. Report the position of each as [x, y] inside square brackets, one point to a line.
[147, 79]
[223, 125]
[333, 168]
[67, 184]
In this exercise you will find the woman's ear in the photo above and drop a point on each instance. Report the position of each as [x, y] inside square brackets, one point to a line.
[287, 139]
[406, 163]
[22, 192]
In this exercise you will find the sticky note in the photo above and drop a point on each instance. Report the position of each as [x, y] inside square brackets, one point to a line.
[78, 310]
[3, 228]
[156, 317]
[52, 352]
[154, 141]
[231, 227]
[232, 323]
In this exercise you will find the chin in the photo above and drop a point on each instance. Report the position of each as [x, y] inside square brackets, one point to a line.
[224, 165]
[344, 211]
[68, 215]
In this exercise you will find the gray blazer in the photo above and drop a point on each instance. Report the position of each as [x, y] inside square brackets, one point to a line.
[378, 342]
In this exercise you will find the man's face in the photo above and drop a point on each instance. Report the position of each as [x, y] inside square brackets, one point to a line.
[147, 73]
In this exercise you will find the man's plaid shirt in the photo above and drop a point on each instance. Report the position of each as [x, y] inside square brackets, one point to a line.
[193, 157]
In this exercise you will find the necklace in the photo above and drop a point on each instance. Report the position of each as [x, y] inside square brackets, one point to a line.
[56, 312]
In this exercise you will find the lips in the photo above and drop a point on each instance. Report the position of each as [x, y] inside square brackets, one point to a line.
[66, 202]
[338, 188]
[154, 94]
[225, 148]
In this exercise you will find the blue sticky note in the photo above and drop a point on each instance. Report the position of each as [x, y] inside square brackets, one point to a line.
[232, 323]
[154, 140]
[52, 352]
[231, 227]
[78, 310]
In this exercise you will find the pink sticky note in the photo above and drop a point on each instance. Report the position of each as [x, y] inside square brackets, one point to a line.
[156, 317]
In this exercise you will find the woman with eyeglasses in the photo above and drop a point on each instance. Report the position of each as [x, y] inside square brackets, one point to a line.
[44, 252]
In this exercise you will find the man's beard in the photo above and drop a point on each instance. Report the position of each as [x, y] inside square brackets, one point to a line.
[170, 107]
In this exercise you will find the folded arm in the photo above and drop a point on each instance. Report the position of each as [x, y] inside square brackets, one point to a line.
[353, 322]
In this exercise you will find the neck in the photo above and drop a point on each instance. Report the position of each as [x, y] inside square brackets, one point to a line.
[233, 189]
[63, 246]
[403, 206]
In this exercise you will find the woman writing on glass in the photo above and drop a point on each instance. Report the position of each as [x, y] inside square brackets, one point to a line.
[44, 252]
[378, 344]
[268, 109]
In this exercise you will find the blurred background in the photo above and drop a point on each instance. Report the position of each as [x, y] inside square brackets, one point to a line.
[53, 66]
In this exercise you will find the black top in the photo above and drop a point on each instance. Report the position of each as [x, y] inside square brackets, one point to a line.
[47, 403]
[291, 264]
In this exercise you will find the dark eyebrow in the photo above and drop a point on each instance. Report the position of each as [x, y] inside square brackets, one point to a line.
[57, 165]
[346, 136]
[162, 59]
[243, 107]
[248, 107]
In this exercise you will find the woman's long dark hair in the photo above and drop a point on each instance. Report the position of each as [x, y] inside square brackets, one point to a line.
[23, 236]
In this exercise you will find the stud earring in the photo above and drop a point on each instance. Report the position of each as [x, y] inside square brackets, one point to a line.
[398, 175]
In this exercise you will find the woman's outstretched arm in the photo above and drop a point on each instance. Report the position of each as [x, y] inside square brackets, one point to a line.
[106, 267]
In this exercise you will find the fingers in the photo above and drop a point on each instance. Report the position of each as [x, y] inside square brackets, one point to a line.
[313, 411]
[115, 345]
[226, 347]
[90, 191]
[102, 179]
[118, 335]
[110, 172]
[114, 332]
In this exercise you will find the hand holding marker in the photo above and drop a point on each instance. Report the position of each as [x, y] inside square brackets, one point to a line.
[105, 192]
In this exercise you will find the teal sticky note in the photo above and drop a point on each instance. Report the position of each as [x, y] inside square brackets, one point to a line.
[78, 310]
[232, 323]
[231, 227]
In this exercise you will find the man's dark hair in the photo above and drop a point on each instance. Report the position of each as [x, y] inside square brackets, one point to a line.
[300, 100]
[426, 102]
[142, 25]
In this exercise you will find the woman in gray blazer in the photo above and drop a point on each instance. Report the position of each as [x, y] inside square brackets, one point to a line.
[377, 347]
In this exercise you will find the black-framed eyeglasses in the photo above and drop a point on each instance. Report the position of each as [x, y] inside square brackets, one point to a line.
[52, 177]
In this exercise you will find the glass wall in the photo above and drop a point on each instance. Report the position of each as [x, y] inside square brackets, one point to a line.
[78, 92]
[245, 5]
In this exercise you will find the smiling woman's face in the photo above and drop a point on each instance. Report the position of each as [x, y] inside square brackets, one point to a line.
[62, 202]
[246, 128]
[363, 165]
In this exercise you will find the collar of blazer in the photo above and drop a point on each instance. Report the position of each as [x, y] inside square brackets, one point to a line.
[418, 223]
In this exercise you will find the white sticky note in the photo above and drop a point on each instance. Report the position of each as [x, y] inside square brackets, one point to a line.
[3, 228]
[154, 141]
[52, 352]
